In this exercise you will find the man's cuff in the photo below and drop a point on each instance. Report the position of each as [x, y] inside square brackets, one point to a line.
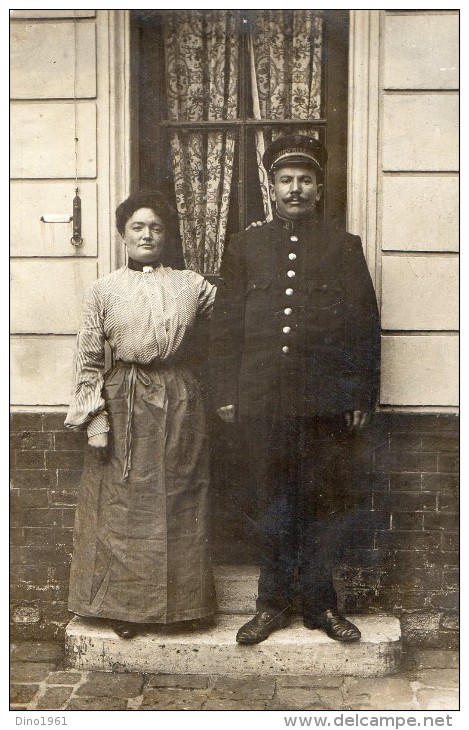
[98, 424]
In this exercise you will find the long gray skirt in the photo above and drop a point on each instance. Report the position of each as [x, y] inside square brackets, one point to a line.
[141, 538]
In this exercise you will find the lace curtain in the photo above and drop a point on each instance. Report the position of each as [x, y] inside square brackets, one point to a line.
[201, 54]
[285, 49]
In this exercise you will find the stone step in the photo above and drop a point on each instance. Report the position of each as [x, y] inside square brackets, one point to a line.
[91, 645]
[236, 588]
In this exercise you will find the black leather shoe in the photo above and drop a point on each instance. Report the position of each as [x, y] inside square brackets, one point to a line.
[125, 629]
[336, 627]
[261, 626]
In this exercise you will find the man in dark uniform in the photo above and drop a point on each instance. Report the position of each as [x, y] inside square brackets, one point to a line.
[295, 357]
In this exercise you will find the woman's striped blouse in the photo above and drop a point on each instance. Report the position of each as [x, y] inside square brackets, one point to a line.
[144, 316]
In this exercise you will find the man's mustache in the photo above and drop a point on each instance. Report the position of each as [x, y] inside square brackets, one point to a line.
[295, 198]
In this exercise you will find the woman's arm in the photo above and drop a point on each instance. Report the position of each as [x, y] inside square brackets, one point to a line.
[88, 407]
[206, 298]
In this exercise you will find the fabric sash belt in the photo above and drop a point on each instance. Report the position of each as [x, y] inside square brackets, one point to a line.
[136, 373]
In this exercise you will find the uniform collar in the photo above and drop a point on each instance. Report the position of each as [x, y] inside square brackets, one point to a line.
[290, 225]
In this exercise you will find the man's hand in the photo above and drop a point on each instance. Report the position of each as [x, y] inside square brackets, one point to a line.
[227, 413]
[356, 420]
[256, 224]
[98, 445]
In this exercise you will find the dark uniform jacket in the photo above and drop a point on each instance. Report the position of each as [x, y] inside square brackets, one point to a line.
[295, 329]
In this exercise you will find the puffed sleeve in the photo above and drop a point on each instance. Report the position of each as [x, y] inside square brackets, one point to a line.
[206, 297]
[88, 407]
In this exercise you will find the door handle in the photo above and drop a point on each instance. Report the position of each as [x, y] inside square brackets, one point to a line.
[76, 239]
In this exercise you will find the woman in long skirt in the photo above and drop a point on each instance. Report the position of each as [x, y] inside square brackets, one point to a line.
[141, 538]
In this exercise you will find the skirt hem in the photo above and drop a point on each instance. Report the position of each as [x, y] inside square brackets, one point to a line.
[175, 618]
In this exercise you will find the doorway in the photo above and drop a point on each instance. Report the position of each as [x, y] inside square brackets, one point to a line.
[232, 88]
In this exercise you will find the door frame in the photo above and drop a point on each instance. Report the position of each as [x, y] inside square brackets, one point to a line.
[123, 144]
[363, 130]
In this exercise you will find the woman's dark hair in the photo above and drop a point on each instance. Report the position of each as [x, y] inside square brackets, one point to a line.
[153, 199]
[145, 199]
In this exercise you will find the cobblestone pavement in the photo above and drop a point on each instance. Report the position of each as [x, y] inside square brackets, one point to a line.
[39, 681]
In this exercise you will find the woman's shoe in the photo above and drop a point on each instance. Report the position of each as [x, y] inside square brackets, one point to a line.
[200, 624]
[125, 629]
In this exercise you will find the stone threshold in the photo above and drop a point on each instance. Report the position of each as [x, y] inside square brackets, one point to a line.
[91, 645]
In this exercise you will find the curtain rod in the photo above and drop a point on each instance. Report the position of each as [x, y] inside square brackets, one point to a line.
[204, 124]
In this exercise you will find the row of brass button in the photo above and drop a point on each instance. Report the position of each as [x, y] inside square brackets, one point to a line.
[289, 292]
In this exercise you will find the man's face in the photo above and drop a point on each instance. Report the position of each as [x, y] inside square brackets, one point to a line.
[295, 190]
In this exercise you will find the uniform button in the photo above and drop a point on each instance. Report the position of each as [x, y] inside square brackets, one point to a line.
[291, 273]
[292, 256]
[288, 292]
[288, 311]
[286, 330]
[294, 238]
[285, 349]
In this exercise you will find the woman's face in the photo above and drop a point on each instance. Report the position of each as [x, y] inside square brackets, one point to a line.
[144, 236]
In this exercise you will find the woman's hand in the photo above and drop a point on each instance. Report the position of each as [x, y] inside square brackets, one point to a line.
[98, 445]
[256, 224]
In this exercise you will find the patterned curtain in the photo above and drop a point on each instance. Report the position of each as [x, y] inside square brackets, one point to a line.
[201, 56]
[285, 57]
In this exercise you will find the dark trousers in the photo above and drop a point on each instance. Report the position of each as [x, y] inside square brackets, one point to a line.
[303, 472]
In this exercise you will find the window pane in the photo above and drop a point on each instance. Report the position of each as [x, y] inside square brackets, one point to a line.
[285, 60]
[201, 58]
[202, 164]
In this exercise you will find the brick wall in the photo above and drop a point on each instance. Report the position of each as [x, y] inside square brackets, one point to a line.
[402, 556]
[46, 464]
[410, 563]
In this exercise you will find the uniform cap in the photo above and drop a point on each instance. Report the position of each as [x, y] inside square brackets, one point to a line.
[288, 149]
